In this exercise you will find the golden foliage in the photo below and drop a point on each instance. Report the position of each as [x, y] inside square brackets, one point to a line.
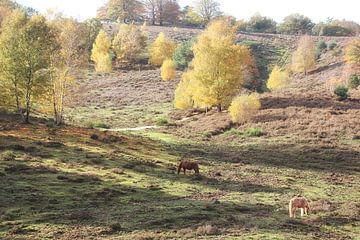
[101, 53]
[352, 52]
[129, 42]
[244, 108]
[277, 79]
[168, 70]
[304, 58]
[219, 65]
[183, 97]
[161, 49]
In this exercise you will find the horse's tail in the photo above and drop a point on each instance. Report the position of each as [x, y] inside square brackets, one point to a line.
[196, 168]
[179, 167]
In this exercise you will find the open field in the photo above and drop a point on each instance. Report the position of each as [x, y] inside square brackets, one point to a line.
[75, 182]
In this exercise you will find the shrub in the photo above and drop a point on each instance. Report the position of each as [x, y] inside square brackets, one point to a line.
[233, 132]
[352, 54]
[341, 92]
[207, 230]
[162, 121]
[8, 156]
[168, 71]
[161, 49]
[254, 132]
[331, 45]
[354, 81]
[99, 125]
[333, 83]
[244, 108]
[183, 55]
[129, 43]
[321, 46]
[277, 79]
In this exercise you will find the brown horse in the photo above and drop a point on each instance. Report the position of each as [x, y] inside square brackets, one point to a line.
[299, 202]
[188, 165]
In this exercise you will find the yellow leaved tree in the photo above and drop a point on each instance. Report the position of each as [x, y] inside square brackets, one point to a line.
[161, 49]
[101, 53]
[304, 58]
[219, 65]
[168, 70]
[277, 79]
[352, 52]
[183, 96]
[244, 108]
[129, 42]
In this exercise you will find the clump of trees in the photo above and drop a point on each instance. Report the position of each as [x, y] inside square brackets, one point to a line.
[101, 53]
[296, 24]
[26, 46]
[304, 58]
[161, 49]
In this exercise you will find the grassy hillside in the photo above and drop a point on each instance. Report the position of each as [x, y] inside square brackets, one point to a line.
[81, 183]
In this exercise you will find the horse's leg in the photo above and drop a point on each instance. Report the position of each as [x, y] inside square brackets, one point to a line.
[184, 170]
[294, 212]
[301, 212]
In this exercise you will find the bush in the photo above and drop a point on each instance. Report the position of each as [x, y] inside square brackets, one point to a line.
[162, 121]
[183, 55]
[254, 132]
[321, 46]
[331, 45]
[183, 98]
[233, 132]
[354, 81]
[277, 79]
[7, 156]
[168, 71]
[244, 108]
[341, 92]
[99, 125]
[129, 42]
[161, 49]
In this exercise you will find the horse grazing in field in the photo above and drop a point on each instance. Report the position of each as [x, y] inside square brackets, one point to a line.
[188, 165]
[298, 202]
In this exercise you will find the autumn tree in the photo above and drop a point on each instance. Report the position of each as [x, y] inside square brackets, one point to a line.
[277, 79]
[190, 17]
[160, 11]
[183, 94]
[170, 12]
[304, 58]
[101, 53]
[124, 10]
[217, 73]
[26, 47]
[92, 29]
[208, 10]
[352, 52]
[161, 49]
[168, 71]
[296, 24]
[129, 43]
[244, 107]
[66, 62]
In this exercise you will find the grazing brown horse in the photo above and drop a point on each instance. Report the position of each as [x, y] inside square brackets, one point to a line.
[299, 202]
[188, 165]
